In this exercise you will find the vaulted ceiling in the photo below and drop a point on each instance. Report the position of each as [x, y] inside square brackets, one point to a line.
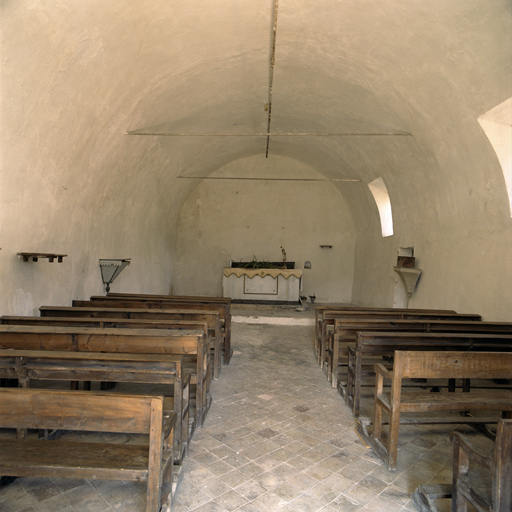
[109, 109]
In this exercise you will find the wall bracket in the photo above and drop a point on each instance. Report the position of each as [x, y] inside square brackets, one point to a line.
[409, 277]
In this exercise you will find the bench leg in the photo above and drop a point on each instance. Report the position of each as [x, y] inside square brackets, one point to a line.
[349, 393]
[394, 427]
[460, 467]
[335, 359]
[317, 342]
[320, 349]
[154, 481]
[227, 339]
[323, 336]
[357, 387]
[217, 356]
[502, 470]
[377, 409]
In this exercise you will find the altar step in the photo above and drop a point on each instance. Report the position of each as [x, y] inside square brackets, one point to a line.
[273, 314]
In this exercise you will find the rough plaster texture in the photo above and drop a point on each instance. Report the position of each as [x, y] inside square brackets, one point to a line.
[75, 76]
[240, 219]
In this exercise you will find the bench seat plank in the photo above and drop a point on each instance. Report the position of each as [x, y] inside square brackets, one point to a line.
[57, 458]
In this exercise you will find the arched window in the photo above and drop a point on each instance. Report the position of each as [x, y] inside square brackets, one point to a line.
[497, 125]
[381, 196]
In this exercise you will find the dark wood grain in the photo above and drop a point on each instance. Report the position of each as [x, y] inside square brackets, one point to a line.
[441, 365]
[88, 411]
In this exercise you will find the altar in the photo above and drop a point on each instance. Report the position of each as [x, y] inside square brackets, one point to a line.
[262, 284]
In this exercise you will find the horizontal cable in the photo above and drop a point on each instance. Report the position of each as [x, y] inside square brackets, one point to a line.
[276, 134]
[355, 180]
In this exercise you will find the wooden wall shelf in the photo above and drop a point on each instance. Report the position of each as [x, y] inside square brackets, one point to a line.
[34, 256]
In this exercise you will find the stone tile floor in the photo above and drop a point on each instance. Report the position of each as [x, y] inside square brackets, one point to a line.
[277, 438]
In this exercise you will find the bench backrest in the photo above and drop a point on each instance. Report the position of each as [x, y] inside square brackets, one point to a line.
[95, 366]
[122, 323]
[344, 327]
[320, 309]
[128, 303]
[390, 341]
[191, 298]
[77, 410]
[319, 312]
[180, 344]
[451, 364]
[153, 303]
[331, 315]
[212, 317]
[102, 340]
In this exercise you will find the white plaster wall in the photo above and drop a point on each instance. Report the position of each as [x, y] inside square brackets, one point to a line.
[459, 227]
[75, 75]
[466, 270]
[70, 180]
[225, 220]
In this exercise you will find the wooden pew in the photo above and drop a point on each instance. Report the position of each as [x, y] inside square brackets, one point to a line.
[329, 317]
[90, 412]
[370, 346]
[220, 304]
[192, 298]
[165, 370]
[345, 331]
[498, 465]
[120, 323]
[435, 365]
[321, 329]
[132, 341]
[223, 304]
[212, 318]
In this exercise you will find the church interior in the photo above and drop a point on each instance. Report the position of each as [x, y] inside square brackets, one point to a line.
[367, 142]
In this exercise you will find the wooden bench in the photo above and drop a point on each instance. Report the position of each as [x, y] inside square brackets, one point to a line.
[223, 302]
[345, 329]
[90, 412]
[498, 465]
[220, 304]
[330, 316]
[435, 365]
[370, 346]
[321, 328]
[161, 369]
[191, 344]
[158, 316]
[124, 324]
[192, 298]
